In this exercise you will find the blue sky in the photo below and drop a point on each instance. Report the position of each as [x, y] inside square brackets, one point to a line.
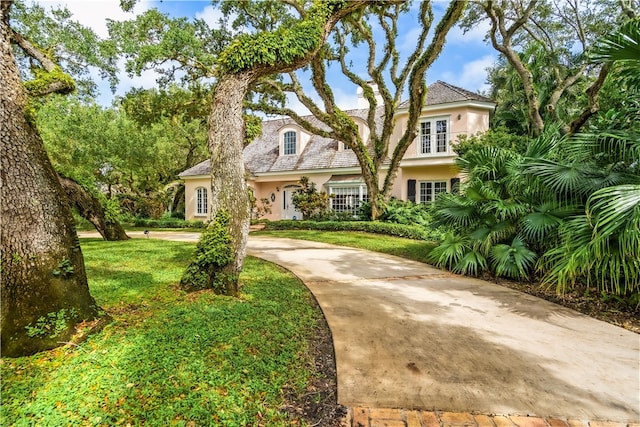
[463, 61]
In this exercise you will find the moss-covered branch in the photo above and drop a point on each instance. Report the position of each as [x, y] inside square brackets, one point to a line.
[49, 78]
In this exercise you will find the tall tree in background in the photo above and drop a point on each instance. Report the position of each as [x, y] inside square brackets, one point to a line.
[43, 275]
[387, 74]
[558, 36]
[566, 207]
[76, 49]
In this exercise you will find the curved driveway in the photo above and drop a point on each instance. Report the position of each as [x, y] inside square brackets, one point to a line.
[407, 335]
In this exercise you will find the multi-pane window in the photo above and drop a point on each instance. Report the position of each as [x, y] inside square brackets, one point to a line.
[441, 136]
[289, 143]
[429, 189]
[434, 131]
[425, 137]
[348, 199]
[202, 203]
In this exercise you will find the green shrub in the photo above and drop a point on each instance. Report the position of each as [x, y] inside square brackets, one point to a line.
[166, 223]
[399, 230]
[399, 212]
[313, 204]
[212, 254]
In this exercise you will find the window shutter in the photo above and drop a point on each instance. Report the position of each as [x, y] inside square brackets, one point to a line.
[455, 185]
[411, 190]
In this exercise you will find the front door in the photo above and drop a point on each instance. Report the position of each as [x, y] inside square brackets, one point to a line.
[288, 210]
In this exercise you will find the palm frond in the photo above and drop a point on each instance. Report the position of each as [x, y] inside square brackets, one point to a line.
[449, 252]
[506, 209]
[623, 49]
[546, 143]
[487, 163]
[472, 263]
[615, 211]
[538, 226]
[452, 210]
[568, 181]
[618, 145]
[489, 233]
[514, 261]
[623, 45]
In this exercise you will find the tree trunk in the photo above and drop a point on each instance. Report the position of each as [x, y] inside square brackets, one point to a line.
[228, 184]
[91, 209]
[44, 284]
[226, 144]
[227, 135]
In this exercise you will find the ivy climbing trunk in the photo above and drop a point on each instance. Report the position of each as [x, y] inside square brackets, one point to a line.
[43, 284]
[228, 184]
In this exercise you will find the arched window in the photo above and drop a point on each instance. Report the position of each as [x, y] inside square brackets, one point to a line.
[289, 143]
[202, 202]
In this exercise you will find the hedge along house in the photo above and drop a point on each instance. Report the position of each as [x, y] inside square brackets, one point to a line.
[285, 152]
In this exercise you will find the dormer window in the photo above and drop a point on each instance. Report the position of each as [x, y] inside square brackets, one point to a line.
[289, 143]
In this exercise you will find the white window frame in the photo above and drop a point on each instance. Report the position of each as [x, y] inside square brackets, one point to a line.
[426, 190]
[357, 190]
[430, 144]
[202, 201]
[285, 142]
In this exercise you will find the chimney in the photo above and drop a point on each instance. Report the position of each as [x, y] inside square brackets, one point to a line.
[362, 101]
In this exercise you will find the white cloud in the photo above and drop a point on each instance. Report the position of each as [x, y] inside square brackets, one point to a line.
[410, 40]
[473, 74]
[210, 15]
[94, 13]
[475, 35]
[346, 100]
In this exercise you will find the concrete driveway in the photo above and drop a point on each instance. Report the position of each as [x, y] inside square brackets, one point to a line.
[410, 336]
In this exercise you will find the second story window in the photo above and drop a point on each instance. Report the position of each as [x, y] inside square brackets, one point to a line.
[434, 136]
[289, 143]
[441, 136]
[425, 137]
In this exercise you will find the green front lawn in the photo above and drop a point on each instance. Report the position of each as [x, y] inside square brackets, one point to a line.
[407, 248]
[170, 358]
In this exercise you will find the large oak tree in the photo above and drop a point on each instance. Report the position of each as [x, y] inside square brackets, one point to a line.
[248, 58]
[44, 284]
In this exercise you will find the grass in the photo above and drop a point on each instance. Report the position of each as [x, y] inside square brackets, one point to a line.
[411, 249]
[170, 358]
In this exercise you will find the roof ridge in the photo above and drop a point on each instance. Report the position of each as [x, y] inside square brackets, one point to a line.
[462, 91]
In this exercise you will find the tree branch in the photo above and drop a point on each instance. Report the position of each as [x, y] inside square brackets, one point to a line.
[593, 93]
[52, 80]
[33, 51]
[297, 6]
[417, 87]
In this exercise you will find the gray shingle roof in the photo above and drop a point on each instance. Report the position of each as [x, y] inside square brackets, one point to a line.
[202, 168]
[262, 155]
[443, 93]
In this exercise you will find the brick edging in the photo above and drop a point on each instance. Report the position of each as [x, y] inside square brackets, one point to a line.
[385, 417]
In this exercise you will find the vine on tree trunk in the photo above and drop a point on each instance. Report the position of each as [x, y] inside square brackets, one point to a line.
[213, 253]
